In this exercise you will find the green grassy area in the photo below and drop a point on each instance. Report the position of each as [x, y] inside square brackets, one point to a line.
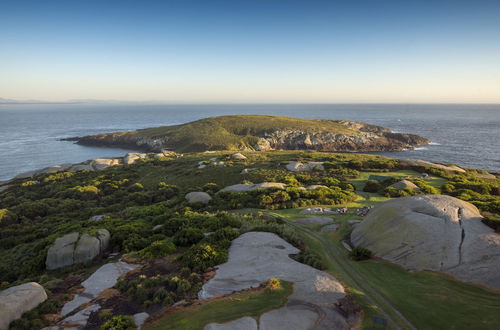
[220, 310]
[359, 182]
[428, 300]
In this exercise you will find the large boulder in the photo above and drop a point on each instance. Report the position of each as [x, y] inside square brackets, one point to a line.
[103, 163]
[132, 157]
[433, 232]
[301, 167]
[16, 300]
[73, 249]
[244, 187]
[60, 254]
[87, 248]
[404, 185]
[198, 197]
[238, 156]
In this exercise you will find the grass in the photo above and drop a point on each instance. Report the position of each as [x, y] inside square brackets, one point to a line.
[220, 310]
[360, 181]
[428, 300]
[431, 300]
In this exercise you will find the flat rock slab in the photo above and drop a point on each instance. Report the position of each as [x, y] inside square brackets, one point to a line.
[139, 319]
[289, 317]
[104, 278]
[329, 228]
[79, 320]
[255, 257]
[315, 220]
[245, 323]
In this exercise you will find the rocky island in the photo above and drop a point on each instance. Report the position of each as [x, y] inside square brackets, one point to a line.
[260, 133]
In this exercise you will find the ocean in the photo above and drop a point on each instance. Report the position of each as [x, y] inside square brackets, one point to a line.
[466, 135]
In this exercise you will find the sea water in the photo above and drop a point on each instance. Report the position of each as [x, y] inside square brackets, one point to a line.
[466, 135]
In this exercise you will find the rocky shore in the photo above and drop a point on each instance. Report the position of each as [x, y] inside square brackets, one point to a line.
[220, 133]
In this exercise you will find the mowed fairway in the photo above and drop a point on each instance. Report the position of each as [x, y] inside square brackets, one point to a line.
[432, 300]
[428, 300]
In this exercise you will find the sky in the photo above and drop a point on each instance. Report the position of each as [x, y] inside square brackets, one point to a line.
[245, 51]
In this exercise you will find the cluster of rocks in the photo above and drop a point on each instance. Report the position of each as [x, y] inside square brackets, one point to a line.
[364, 137]
[296, 166]
[214, 161]
[324, 210]
[74, 248]
[254, 258]
[19, 299]
[433, 232]
[363, 211]
[96, 164]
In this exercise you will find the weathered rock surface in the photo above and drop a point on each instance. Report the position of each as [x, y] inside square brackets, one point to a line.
[72, 249]
[104, 278]
[238, 156]
[78, 320]
[301, 167]
[329, 228]
[315, 186]
[132, 157]
[255, 257]
[404, 184]
[139, 319]
[60, 254]
[315, 220]
[243, 187]
[244, 323]
[433, 232]
[16, 300]
[418, 162]
[198, 197]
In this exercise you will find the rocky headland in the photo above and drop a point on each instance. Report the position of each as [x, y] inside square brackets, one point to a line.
[260, 133]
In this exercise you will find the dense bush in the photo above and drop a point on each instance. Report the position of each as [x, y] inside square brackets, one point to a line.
[188, 236]
[202, 256]
[372, 186]
[119, 322]
[360, 253]
[158, 249]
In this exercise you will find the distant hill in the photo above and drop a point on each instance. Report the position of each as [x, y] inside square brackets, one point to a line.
[257, 132]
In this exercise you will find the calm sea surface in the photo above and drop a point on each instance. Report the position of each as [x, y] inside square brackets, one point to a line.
[467, 135]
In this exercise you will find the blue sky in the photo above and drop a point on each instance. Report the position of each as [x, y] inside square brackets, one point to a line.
[251, 51]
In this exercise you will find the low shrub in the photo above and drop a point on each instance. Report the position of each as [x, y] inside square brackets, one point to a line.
[360, 253]
[119, 322]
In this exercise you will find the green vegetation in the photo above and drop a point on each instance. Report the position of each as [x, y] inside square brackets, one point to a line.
[220, 310]
[192, 238]
[360, 253]
[229, 132]
[120, 322]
